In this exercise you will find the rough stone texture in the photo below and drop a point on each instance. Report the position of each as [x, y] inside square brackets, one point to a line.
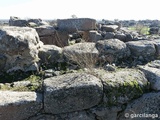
[121, 36]
[3, 60]
[148, 104]
[109, 28]
[79, 115]
[94, 36]
[157, 46]
[123, 85]
[38, 22]
[44, 117]
[106, 113]
[84, 54]
[45, 30]
[152, 72]
[19, 48]
[71, 92]
[50, 54]
[109, 35]
[112, 50]
[19, 105]
[142, 49]
[74, 25]
[154, 64]
[49, 36]
[16, 21]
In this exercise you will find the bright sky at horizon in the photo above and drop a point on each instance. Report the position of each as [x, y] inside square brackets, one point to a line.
[102, 9]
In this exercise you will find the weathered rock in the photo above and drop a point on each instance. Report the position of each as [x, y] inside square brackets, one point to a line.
[39, 22]
[153, 75]
[154, 64]
[129, 37]
[121, 36]
[44, 117]
[3, 60]
[45, 30]
[109, 35]
[147, 107]
[71, 92]
[76, 24]
[123, 85]
[157, 46]
[112, 50]
[94, 36]
[19, 47]
[109, 28]
[50, 54]
[79, 115]
[84, 54]
[106, 113]
[15, 21]
[19, 105]
[142, 49]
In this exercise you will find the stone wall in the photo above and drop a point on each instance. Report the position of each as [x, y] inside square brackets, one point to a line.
[114, 78]
[73, 25]
[96, 95]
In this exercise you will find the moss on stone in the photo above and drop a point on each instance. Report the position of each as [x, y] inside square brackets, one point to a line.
[35, 84]
[121, 87]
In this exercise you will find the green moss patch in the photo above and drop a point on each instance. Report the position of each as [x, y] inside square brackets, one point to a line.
[123, 86]
[28, 82]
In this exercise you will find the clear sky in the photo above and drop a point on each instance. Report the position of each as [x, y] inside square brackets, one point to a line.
[97, 9]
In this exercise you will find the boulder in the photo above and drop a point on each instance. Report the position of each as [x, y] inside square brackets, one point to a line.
[109, 35]
[142, 50]
[39, 22]
[19, 48]
[112, 50]
[123, 85]
[19, 105]
[157, 46]
[76, 24]
[15, 21]
[152, 72]
[129, 37]
[45, 30]
[109, 28]
[121, 36]
[83, 54]
[71, 92]
[143, 108]
[106, 113]
[49, 36]
[94, 36]
[50, 54]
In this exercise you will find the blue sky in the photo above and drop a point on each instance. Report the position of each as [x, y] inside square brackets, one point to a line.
[98, 9]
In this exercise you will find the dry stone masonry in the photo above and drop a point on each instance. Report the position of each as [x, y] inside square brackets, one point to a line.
[87, 70]
[19, 48]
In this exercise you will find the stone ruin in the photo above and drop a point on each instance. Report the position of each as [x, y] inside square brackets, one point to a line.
[127, 81]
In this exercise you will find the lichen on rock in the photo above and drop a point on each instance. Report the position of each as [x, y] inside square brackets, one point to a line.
[123, 85]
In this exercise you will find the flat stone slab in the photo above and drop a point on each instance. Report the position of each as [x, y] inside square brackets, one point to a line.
[19, 105]
[71, 92]
[123, 85]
